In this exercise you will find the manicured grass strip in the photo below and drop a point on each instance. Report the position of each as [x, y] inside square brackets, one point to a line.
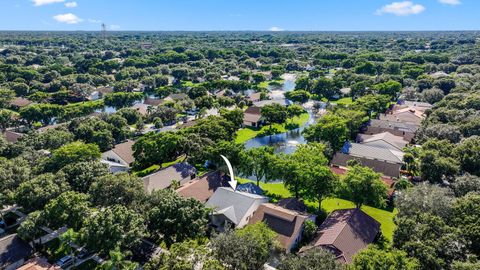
[246, 134]
[344, 101]
[278, 191]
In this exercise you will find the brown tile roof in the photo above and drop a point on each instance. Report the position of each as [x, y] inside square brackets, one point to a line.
[153, 101]
[293, 204]
[11, 136]
[20, 102]
[252, 114]
[347, 231]
[203, 188]
[125, 151]
[255, 96]
[38, 264]
[141, 108]
[286, 223]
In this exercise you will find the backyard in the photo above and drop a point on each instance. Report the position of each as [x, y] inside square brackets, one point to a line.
[246, 134]
[385, 217]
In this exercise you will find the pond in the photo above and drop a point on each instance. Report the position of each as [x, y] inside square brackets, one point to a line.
[284, 142]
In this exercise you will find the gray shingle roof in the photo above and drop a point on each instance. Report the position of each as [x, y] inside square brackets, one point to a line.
[234, 205]
[382, 139]
[13, 249]
[393, 125]
[162, 179]
[372, 152]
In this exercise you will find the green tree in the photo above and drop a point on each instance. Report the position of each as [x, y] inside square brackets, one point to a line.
[122, 99]
[314, 259]
[117, 261]
[73, 153]
[123, 188]
[173, 218]
[6, 95]
[466, 214]
[274, 113]
[112, 227]
[235, 116]
[373, 258]
[300, 96]
[68, 209]
[468, 153]
[7, 119]
[254, 242]
[258, 162]
[318, 182]
[36, 193]
[330, 128]
[81, 175]
[362, 185]
[390, 88]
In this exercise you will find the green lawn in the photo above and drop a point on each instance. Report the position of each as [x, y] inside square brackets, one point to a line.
[344, 101]
[246, 134]
[278, 191]
[265, 84]
[157, 167]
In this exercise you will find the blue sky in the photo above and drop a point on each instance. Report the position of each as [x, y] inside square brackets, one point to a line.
[198, 15]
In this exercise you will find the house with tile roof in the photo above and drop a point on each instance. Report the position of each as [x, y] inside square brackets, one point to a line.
[405, 130]
[203, 188]
[288, 224]
[120, 158]
[233, 208]
[252, 117]
[345, 233]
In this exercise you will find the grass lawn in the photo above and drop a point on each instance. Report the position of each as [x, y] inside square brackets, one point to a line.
[157, 167]
[385, 217]
[246, 134]
[344, 101]
[265, 84]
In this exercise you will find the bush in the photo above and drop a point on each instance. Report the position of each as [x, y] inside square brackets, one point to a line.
[269, 132]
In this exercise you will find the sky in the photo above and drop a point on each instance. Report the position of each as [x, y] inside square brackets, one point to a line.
[262, 15]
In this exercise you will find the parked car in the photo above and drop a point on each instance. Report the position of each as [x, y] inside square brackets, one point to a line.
[65, 261]
[83, 253]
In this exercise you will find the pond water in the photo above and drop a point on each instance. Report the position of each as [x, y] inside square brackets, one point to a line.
[284, 142]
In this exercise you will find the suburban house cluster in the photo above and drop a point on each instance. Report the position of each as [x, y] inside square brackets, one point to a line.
[344, 232]
[381, 144]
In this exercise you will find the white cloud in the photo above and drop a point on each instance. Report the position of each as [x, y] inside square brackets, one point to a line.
[114, 27]
[404, 8]
[276, 29]
[67, 18]
[451, 2]
[38, 3]
[71, 4]
[94, 21]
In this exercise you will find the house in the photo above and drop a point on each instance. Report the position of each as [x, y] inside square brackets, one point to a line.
[12, 136]
[153, 101]
[141, 108]
[346, 232]
[180, 172]
[263, 103]
[176, 97]
[288, 224]
[13, 252]
[293, 204]
[250, 188]
[104, 90]
[252, 117]
[203, 188]
[233, 208]
[38, 263]
[405, 130]
[95, 95]
[120, 158]
[255, 97]
[405, 115]
[384, 140]
[415, 105]
[382, 160]
[20, 102]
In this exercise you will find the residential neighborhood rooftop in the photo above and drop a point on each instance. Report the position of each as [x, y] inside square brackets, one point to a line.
[181, 172]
